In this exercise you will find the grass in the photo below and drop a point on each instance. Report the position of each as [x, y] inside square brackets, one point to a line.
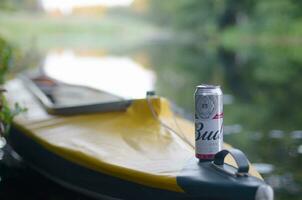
[45, 32]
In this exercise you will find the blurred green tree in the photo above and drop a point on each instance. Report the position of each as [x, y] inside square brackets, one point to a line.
[216, 15]
[19, 5]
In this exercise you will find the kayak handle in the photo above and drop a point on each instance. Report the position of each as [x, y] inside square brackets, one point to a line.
[239, 157]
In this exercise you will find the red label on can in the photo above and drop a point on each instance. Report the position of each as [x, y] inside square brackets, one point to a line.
[205, 156]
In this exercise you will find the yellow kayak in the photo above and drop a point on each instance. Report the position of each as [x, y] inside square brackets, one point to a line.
[125, 153]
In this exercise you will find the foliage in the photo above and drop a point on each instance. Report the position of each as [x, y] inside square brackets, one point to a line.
[14, 5]
[6, 113]
[210, 17]
[5, 59]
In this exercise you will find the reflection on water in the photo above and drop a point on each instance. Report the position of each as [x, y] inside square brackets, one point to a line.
[2, 142]
[276, 134]
[299, 149]
[297, 134]
[264, 168]
[115, 74]
[263, 111]
[264, 115]
[284, 182]
[232, 129]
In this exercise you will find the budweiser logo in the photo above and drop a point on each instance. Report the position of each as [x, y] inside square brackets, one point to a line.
[202, 134]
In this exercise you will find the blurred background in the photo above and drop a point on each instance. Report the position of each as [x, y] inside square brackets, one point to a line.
[252, 48]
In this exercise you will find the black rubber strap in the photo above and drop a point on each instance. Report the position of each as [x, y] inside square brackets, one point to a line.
[240, 158]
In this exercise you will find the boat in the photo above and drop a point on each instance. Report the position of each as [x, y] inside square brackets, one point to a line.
[107, 147]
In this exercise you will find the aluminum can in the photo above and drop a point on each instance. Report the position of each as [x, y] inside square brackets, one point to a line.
[208, 121]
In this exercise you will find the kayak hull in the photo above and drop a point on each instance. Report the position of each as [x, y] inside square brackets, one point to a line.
[101, 186]
[124, 155]
[80, 178]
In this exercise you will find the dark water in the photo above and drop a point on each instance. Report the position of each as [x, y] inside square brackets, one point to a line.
[263, 102]
[263, 109]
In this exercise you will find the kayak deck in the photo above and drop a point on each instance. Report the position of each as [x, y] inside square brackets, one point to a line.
[131, 145]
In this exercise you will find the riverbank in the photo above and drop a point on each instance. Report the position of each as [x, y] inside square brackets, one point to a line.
[41, 31]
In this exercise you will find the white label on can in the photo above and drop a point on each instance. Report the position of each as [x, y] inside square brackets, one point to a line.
[209, 136]
[208, 125]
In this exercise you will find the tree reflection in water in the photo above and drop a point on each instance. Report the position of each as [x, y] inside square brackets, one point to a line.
[262, 109]
[265, 114]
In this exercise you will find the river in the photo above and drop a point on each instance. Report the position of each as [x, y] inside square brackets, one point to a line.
[262, 102]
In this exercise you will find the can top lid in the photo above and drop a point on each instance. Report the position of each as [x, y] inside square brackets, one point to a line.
[206, 86]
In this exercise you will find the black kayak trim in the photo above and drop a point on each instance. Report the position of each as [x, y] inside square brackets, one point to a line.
[211, 181]
[79, 178]
[199, 180]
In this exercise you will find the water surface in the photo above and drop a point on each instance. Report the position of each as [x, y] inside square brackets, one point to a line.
[262, 102]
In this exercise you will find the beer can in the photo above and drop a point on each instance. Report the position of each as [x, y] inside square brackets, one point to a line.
[208, 121]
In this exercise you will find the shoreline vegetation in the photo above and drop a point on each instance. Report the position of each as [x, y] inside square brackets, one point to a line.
[235, 23]
[7, 112]
[40, 31]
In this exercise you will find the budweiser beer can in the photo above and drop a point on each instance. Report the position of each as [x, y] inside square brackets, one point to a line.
[208, 121]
